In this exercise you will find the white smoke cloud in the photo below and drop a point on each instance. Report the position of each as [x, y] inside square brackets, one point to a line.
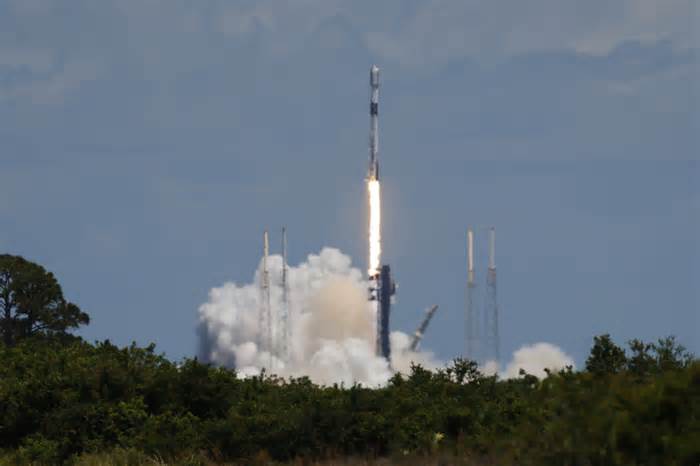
[534, 359]
[332, 325]
[332, 329]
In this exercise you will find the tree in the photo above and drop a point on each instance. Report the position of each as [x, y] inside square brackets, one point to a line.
[641, 361]
[32, 302]
[606, 357]
[670, 355]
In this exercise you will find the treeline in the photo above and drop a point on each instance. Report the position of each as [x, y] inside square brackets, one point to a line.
[59, 400]
[63, 400]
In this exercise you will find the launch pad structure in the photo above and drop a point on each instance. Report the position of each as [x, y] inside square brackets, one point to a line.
[482, 340]
[386, 290]
[274, 324]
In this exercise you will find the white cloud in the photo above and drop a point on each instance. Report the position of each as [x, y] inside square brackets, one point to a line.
[412, 33]
[158, 40]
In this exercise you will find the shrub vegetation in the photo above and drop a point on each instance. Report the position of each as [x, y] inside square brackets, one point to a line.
[63, 400]
[60, 400]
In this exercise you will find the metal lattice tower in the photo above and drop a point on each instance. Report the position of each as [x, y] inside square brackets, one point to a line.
[482, 335]
[492, 339]
[472, 321]
[284, 317]
[264, 312]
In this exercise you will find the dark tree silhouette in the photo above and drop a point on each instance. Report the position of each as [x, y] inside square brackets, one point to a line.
[32, 302]
[605, 357]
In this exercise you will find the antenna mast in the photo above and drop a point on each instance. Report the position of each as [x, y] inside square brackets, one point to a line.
[491, 311]
[264, 313]
[284, 335]
[472, 315]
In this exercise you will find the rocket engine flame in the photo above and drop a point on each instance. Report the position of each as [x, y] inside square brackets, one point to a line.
[375, 222]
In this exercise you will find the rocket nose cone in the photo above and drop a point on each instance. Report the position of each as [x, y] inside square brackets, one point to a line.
[374, 75]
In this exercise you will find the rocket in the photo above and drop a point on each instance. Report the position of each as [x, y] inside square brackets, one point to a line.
[373, 171]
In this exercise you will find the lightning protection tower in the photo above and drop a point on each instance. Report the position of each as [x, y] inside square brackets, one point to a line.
[492, 339]
[472, 321]
[482, 338]
[264, 311]
[284, 317]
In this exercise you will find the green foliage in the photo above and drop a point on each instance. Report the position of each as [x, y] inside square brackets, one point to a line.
[606, 357]
[38, 450]
[642, 361]
[115, 457]
[32, 302]
[670, 355]
[68, 401]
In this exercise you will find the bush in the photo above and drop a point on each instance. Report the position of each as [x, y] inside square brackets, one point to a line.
[63, 400]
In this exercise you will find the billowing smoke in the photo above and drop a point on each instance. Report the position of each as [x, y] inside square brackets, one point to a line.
[533, 359]
[332, 328]
[536, 358]
[331, 325]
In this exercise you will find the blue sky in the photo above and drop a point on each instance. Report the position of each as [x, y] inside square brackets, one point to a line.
[144, 146]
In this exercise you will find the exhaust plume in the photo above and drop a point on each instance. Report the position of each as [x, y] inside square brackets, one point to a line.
[375, 223]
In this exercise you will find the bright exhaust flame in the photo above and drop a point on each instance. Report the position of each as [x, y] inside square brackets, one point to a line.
[375, 222]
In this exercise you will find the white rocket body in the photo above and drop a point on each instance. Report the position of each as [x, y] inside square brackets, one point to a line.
[373, 172]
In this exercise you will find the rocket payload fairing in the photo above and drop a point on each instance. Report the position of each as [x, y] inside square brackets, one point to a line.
[373, 171]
